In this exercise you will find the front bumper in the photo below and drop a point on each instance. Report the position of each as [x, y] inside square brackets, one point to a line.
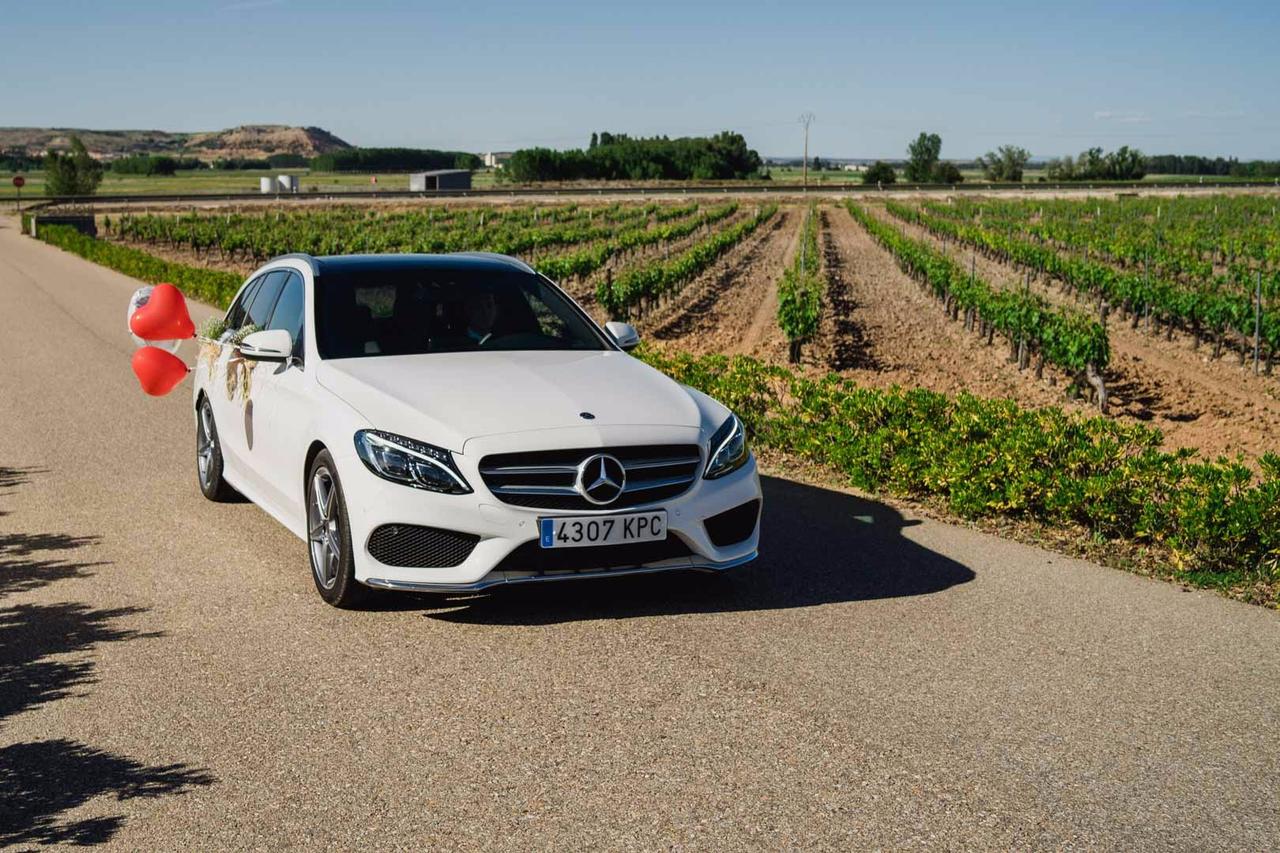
[501, 578]
[502, 528]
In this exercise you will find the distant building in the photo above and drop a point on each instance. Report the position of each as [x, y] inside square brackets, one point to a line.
[854, 167]
[496, 159]
[278, 184]
[440, 179]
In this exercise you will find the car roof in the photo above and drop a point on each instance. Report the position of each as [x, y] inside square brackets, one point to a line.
[472, 261]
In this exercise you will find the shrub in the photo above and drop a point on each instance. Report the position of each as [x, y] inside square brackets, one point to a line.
[947, 173]
[880, 172]
[800, 290]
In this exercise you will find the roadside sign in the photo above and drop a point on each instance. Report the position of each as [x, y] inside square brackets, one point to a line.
[19, 181]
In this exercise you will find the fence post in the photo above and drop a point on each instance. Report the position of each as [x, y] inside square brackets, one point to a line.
[1257, 325]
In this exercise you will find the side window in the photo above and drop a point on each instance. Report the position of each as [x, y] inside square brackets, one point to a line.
[235, 317]
[289, 310]
[264, 301]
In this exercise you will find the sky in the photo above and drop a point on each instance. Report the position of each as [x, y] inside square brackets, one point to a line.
[1055, 78]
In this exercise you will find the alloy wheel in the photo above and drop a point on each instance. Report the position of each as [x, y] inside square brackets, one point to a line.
[324, 528]
[206, 440]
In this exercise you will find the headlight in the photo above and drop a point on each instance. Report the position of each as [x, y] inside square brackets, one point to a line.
[728, 449]
[411, 463]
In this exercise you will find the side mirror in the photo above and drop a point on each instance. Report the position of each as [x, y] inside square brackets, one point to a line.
[623, 334]
[271, 345]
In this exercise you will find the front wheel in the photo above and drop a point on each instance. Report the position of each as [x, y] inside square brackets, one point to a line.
[209, 457]
[329, 536]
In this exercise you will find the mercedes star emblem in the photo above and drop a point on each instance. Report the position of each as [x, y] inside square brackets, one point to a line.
[601, 479]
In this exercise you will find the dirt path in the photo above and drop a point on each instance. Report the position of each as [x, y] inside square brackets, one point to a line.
[763, 337]
[731, 308]
[1216, 406]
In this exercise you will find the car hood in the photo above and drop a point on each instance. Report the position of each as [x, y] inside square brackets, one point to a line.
[448, 398]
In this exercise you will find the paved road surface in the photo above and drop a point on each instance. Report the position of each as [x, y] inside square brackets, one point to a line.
[169, 679]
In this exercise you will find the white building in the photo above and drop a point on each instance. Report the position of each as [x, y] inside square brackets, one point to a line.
[496, 159]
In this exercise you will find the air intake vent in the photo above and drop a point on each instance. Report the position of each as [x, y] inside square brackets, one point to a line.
[531, 557]
[545, 478]
[412, 547]
[733, 526]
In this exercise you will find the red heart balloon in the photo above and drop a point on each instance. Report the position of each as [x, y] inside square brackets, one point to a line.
[158, 372]
[164, 317]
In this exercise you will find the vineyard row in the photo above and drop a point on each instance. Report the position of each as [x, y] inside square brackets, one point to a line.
[1212, 308]
[1062, 337]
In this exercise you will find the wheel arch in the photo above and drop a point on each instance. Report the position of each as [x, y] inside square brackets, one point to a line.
[312, 452]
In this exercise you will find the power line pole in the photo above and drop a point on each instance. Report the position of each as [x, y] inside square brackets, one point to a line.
[806, 119]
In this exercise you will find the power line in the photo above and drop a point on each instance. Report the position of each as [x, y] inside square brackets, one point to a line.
[806, 119]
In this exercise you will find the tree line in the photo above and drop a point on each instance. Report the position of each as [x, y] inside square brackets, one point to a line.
[616, 156]
[1123, 164]
[1008, 163]
[393, 160]
[1192, 164]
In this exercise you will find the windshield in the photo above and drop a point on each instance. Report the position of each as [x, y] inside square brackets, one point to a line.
[415, 311]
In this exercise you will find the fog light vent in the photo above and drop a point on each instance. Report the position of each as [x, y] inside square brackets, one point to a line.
[733, 526]
[413, 547]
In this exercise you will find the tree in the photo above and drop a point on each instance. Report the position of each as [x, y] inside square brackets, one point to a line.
[817, 164]
[76, 173]
[947, 173]
[879, 172]
[1126, 164]
[922, 157]
[1061, 169]
[1091, 165]
[1005, 163]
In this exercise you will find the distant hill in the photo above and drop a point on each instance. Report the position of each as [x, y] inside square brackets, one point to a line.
[254, 141]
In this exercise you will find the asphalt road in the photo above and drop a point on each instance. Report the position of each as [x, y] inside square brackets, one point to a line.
[169, 678]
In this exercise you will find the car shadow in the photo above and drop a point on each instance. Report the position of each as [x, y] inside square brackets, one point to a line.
[46, 654]
[818, 546]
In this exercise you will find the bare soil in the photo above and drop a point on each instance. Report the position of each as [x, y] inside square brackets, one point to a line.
[883, 329]
[1214, 405]
[731, 307]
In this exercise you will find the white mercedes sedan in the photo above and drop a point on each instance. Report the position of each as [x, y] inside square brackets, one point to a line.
[454, 422]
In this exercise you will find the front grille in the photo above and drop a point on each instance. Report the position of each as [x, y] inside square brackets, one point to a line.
[532, 557]
[545, 478]
[734, 525]
[413, 547]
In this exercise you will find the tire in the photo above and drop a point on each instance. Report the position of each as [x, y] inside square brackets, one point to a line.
[329, 530]
[209, 457]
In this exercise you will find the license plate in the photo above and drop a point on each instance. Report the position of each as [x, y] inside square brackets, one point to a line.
[584, 530]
